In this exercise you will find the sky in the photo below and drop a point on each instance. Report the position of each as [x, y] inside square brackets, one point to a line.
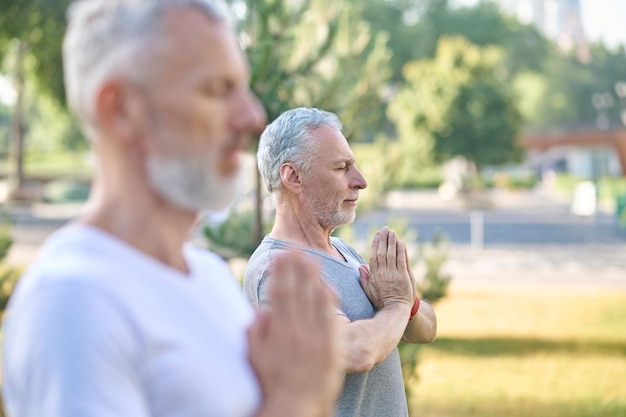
[603, 20]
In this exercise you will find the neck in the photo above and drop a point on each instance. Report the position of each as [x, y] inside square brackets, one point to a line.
[127, 209]
[294, 226]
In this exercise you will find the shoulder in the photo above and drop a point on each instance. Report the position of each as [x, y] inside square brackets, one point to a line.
[258, 270]
[263, 257]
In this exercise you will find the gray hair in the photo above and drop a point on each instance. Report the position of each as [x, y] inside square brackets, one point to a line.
[121, 38]
[289, 139]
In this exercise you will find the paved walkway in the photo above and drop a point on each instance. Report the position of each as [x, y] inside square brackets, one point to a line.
[528, 238]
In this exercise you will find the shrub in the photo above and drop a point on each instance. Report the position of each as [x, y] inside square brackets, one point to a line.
[65, 190]
[8, 275]
[234, 237]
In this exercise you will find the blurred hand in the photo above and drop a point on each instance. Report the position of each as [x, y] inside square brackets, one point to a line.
[388, 280]
[295, 346]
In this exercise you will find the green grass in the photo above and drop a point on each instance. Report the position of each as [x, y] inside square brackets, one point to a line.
[54, 164]
[540, 352]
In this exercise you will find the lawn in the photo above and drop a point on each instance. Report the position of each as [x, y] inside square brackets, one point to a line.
[522, 352]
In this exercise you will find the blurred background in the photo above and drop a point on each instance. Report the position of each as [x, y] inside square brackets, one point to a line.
[493, 138]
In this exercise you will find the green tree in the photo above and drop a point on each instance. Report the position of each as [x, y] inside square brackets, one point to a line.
[570, 87]
[37, 26]
[314, 53]
[457, 104]
[415, 28]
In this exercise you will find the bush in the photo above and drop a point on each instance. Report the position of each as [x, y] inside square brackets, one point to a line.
[610, 188]
[8, 275]
[64, 190]
[566, 183]
[8, 280]
[233, 238]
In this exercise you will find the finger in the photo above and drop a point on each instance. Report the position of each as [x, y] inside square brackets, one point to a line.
[374, 250]
[392, 243]
[402, 258]
[407, 263]
[381, 251]
[364, 276]
[258, 329]
[257, 335]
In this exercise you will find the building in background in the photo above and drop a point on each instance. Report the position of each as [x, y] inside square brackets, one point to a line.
[559, 20]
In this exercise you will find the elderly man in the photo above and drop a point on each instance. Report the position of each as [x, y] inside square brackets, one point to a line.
[118, 316]
[307, 164]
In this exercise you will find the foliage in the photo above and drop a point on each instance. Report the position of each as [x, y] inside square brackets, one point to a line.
[5, 123]
[565, 183]
[233, 238]
[434, 285]
[301, 51]
[457, 104]
[415, 29]
[609, 188]
[570, 87]
[63, 190]
[509, 180]
[8, 275]
[41, 25]
[377, 162]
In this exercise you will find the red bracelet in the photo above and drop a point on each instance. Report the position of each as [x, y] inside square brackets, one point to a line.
[416, 306]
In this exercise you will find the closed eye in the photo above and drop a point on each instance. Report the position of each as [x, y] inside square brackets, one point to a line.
[217, 88]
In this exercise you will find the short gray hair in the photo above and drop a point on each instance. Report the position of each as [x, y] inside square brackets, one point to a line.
[116, 37]
[288, 139]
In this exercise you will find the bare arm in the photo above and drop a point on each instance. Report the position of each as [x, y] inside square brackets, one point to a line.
[295, 346]
[389, 288]
[369, 342]
[422, 327]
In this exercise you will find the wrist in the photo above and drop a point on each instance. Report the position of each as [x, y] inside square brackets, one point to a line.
[416, 306]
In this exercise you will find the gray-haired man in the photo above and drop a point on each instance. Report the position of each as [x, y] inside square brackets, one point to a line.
[309, 167]
[118, 316]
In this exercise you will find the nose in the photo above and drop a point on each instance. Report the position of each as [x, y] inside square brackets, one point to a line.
[358, 182]
[250, 115]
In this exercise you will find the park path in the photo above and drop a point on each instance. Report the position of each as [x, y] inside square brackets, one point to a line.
[529, 237]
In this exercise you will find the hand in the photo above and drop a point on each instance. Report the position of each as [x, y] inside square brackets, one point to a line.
[408, 268]
[295, 346]
[389, 279]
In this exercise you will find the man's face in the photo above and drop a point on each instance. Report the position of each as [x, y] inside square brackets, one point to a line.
[330, 192]
[201, 114]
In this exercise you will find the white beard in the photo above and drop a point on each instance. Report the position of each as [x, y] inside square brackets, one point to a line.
[193, 183]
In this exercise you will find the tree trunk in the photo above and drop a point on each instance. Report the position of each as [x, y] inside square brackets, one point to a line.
[16, 153]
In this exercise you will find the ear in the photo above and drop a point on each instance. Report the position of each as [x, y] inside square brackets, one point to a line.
[290, 178]
[119, 110]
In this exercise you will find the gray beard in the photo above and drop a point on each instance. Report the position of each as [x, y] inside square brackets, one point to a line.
[329, 219]
[192, 183]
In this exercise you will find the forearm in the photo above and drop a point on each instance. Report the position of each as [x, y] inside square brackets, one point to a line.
[368, 342]
[294, 405]
[423, 327]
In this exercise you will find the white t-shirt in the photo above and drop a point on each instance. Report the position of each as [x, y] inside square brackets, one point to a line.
[98, 328]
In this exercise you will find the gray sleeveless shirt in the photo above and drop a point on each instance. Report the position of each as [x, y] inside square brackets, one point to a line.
[377, 393]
